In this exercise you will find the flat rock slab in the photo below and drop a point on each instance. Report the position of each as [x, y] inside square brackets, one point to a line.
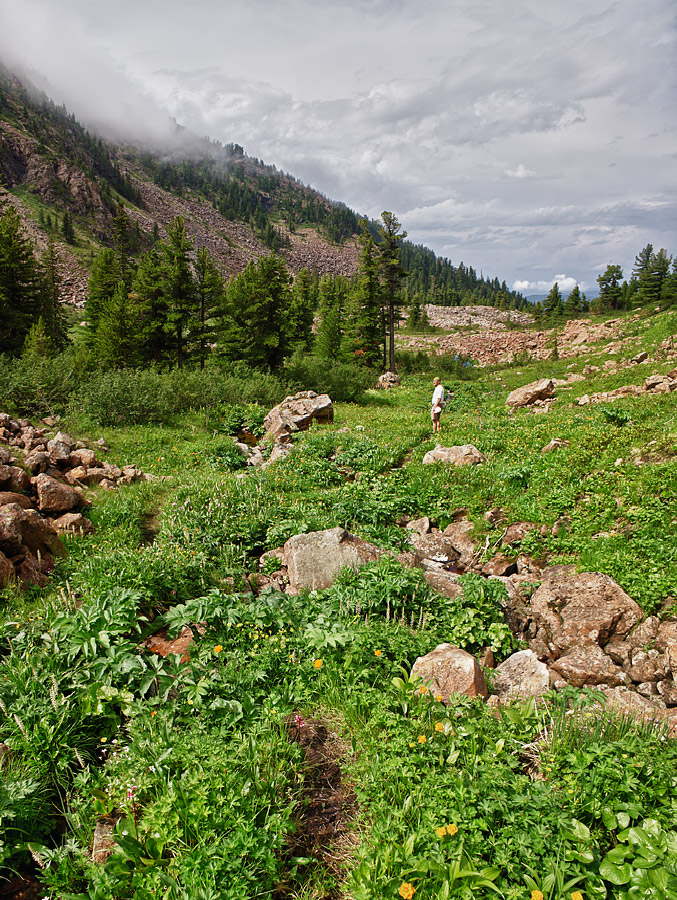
[314, 560]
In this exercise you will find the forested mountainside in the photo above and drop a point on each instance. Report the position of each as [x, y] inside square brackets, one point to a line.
[67, 185]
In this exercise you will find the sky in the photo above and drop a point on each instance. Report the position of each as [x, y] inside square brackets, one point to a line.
[534, 140]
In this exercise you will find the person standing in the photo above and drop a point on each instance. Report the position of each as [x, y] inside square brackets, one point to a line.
[436, 404]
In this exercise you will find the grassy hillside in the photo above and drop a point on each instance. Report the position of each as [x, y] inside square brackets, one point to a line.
[291, 755]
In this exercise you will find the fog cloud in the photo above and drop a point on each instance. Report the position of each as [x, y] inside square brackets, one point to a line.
[525, 140]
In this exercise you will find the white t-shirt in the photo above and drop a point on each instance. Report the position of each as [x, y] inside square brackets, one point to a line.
[438, 396]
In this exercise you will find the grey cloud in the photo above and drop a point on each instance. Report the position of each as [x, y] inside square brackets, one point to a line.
[487, 130]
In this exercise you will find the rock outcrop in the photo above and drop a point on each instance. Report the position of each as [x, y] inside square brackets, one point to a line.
[447, 671]
[464, 455]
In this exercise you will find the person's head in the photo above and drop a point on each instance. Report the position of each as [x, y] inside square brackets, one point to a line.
[436, 381]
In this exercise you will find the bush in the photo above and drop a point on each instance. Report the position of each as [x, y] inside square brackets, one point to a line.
[408, 363]
[343, 381]
[37, 386]
[135, 396]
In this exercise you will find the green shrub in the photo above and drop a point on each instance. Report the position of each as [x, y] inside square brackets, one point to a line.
[343, 381]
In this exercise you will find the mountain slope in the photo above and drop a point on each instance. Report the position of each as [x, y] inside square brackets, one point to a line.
[234, 205]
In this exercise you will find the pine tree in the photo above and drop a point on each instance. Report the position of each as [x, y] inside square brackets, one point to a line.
[103, 281]
[256, 325]
[392, 274]
[20, 282]
[369, 303]
[573, 304]
[117, 341]
[51, 310]
[67, 228]
[301, 309]
[179, 289]
[148, 294]
[610, 293]
[333, 300]
[210, 290]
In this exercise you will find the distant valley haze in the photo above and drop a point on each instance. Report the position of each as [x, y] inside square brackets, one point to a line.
[534, 141]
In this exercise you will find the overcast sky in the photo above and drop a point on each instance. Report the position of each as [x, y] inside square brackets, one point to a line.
[535, 140]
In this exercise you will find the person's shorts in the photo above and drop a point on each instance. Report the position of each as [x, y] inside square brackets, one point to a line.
[436, 413]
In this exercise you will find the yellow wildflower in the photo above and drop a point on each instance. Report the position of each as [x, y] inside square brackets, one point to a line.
[441, 831]
[218, 648]
[406, 890]
[377, 652]
[537, 895]
[439, 726]
[423, 689]
[318, 663]
[439, 698]
[576, 895]
[422, 739]
[452, 830]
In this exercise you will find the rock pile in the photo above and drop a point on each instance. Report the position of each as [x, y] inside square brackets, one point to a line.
[42, 494]
[654, 384]
[580, 629]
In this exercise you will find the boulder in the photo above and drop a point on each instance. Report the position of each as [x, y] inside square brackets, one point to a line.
[588, 665]
[159, 643]
[422, 525]
[54, 497]
[438, 578]
[433, 546]
[387, 381]
[59, 449]
[458, 535]
[521, 675]
[40, 535]
[315, 559]
[37, 461]
[7, 497]
[296, 413]
[7, 573]
[73, 523]
[530, 393]
[515, 533]
[624, 702]
[11, 537]
[19, 481]
[447, 670]
[464, 455]
[500, 565]
[84, 457]
[589, 608]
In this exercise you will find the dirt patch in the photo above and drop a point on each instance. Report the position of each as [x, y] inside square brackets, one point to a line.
[324, 812]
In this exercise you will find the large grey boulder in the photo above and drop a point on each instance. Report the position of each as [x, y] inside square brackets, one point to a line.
[463, 455]
[521, 675]
[433, 546]
[447, 670]
[296, 413]
[530, 393]
[315, 559]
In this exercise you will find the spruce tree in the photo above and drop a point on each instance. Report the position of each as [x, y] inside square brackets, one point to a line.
[117, 341]
[51, 310]
[210, 289]
[179, 289]
[392, 274]
[20, 282]
[148, 295]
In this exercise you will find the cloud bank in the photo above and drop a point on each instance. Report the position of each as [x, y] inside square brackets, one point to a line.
[524, 140]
